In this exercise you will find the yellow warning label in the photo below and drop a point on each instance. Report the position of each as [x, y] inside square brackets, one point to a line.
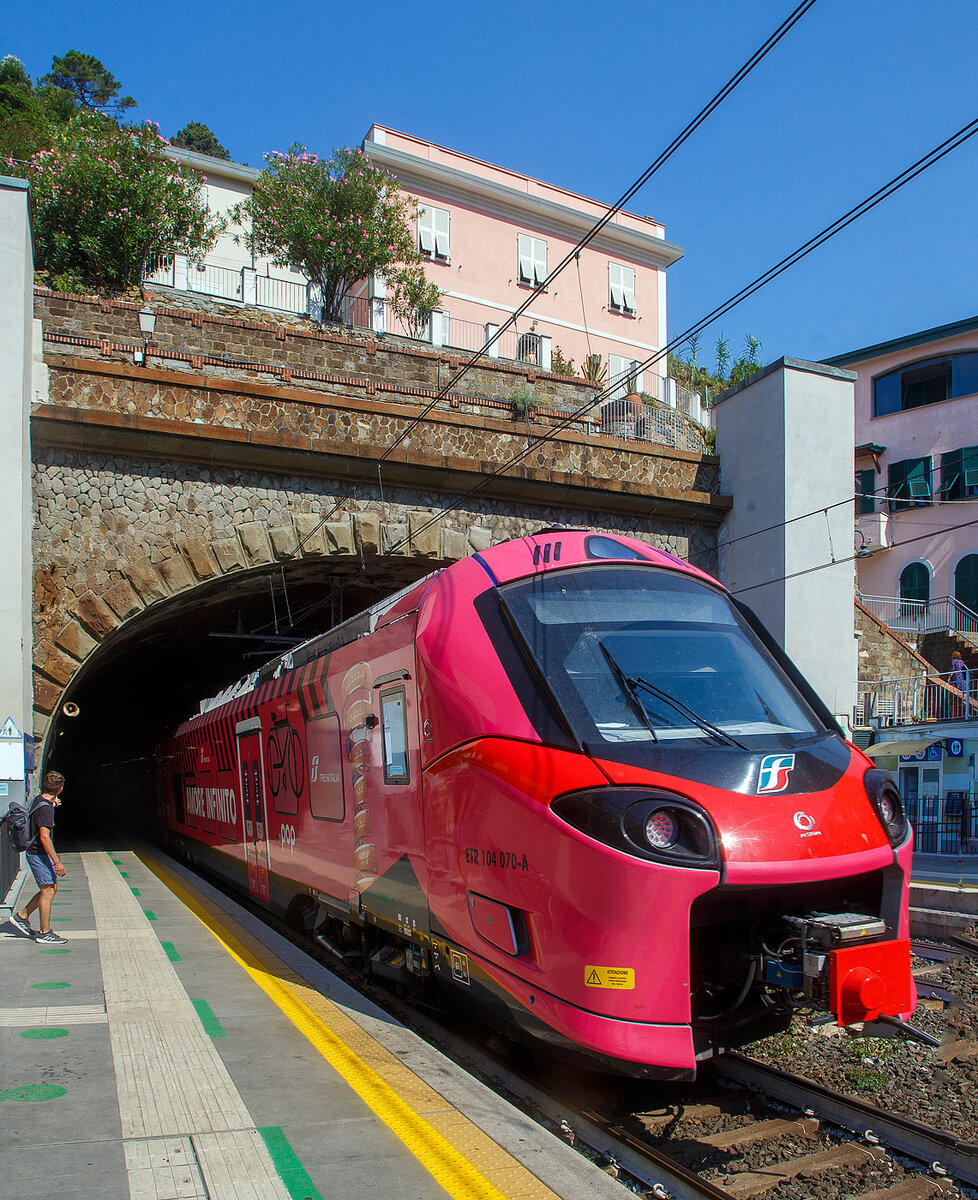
[622, 978]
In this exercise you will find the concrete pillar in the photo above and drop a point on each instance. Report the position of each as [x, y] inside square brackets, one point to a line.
[546, 353]
[785, 440]
[493, 351]
[16, 370]
[249, 285]
[180, 269]
[439, 327]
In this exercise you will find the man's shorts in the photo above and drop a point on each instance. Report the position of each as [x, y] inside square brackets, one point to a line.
[42, 868]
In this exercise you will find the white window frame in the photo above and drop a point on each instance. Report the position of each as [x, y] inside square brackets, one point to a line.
[618, 365]
[434, 232]
[621, 288]
[532, 259]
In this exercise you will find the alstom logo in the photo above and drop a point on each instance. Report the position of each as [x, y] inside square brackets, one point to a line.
[773, 775]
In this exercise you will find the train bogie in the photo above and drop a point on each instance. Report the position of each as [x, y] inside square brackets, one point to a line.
[572, 782]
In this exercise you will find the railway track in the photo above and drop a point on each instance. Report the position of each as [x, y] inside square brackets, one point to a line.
[747, 1130]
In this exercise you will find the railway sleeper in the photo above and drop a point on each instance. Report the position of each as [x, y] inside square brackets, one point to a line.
[917, 1188]
[760, 1131]
[756, 1183]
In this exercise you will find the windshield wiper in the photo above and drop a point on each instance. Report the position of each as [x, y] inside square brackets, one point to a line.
[636, 681]
[630, 692]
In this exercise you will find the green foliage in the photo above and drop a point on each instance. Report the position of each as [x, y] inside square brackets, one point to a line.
[201, 138]
[595, 369]
[106, 201]
[414, 300]
[339, 218]
[523, 401]
[685, 370]
[560, 365]
[92, 86]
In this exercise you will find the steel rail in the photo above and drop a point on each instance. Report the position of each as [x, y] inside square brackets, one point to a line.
[960, 1160]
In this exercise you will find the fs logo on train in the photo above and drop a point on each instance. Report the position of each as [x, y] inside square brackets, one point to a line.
[773, 775]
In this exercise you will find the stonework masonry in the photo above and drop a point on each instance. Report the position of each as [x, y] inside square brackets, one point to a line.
[150, 481]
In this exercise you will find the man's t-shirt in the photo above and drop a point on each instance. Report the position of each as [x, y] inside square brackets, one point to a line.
[42, 815]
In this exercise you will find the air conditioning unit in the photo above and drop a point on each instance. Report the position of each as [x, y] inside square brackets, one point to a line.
[872, 530]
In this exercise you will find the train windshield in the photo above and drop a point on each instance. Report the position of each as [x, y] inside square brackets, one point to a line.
[640, 654]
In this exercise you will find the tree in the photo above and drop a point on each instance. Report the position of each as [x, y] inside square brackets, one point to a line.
[107, 202]
[91, 84]
[339, 218]
[197, 136]
[23, 127]
[414, 300]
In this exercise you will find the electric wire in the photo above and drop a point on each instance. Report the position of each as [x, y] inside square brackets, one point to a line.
[758, 56]
[898, 181]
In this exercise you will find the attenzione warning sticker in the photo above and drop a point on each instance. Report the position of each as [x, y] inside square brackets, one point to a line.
[621, 978]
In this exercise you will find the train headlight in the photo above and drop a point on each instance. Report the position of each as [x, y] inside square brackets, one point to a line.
[661, 829]
[653, 825]
[885, 798]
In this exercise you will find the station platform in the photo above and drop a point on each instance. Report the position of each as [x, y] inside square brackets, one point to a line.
[175, 1047]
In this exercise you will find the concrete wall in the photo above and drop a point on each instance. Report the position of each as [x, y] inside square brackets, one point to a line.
[16, 366]
[786, 451]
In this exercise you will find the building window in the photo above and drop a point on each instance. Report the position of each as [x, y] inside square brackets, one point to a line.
[621, 288]
[433, 232]
[914, 590]
[959, 474]
[909, 483]
[966, 584]
[624, 375]
[528, 348]
[865, 488]
[532, 259]
[927, 382]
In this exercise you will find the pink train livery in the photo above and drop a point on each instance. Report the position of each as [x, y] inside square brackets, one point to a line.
[575, 783]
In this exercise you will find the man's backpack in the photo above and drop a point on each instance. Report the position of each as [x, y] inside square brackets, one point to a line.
[20, 831]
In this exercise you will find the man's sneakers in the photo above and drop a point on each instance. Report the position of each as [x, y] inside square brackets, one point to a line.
[21, 925]
[50, 939]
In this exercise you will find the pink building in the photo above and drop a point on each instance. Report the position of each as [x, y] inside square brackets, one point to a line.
[490, 235]
[916, 401]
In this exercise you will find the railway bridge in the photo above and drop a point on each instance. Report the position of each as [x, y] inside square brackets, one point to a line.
[237, 482]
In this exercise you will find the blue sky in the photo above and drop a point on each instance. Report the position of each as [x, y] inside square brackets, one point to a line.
[585, 96]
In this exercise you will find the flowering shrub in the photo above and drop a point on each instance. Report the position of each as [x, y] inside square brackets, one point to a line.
[107, 202]
[340, 219]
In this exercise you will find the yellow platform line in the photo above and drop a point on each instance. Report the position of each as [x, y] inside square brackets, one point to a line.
[448, 1166]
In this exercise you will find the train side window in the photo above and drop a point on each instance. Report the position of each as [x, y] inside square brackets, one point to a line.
[179, 812]
[326, 800]
[393, 724]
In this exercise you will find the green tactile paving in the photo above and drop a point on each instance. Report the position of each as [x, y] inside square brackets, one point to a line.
[57, 950]
[171, 951]
[212, 1026]
[33, 1093]
[288, 1164]
[135, 891]
[49, 987]
[62, 918]
[150, 915]
[124, 874]
[42, 1034]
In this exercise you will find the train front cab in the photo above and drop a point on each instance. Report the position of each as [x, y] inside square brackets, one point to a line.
[646, 837]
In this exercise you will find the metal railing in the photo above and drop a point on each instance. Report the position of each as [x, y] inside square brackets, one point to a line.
[954, 831]
[649, 423]
[917, 700]
[284, 294]
[917, 617]
[211, 280]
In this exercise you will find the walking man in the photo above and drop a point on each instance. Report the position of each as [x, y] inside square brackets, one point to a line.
[46, 867]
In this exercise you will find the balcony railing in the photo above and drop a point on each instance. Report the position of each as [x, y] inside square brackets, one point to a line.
[917, 700]
[917, 617]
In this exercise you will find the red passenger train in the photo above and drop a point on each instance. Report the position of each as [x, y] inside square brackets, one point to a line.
[575, 782]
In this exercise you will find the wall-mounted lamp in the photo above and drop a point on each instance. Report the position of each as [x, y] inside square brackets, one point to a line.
[864, 550]
[147, 327]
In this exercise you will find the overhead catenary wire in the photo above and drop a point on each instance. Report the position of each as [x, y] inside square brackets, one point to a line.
[898, 181]
[574, 253]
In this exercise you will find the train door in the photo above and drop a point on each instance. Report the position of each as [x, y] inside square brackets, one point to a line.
[251, 777]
